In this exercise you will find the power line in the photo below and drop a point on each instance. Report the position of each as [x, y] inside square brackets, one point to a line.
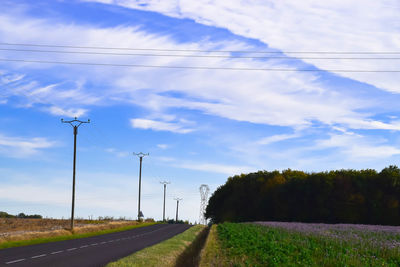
[200, 50]
[193, 67]
[194, 56]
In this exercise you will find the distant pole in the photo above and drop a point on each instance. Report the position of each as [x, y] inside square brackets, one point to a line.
[75, 123]
[165, 188]
[177, 208]
[140, 155]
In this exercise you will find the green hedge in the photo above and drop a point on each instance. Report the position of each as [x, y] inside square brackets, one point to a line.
[343, 196]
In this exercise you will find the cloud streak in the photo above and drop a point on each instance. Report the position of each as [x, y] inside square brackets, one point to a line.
[374, 27]
[160, 126]
[21, 147]
[358, 147]
[270, 98]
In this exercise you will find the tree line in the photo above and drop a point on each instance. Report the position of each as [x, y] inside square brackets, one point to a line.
[21, 215]
[341, 196]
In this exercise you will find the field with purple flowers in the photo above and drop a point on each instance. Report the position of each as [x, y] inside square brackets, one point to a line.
[304, 244]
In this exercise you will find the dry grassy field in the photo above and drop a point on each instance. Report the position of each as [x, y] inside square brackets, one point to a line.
[9, 225]
[15, 229]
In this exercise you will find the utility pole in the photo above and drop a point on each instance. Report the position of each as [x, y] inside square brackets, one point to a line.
[177, 207]
[75, 123]
[140, 155]
[165, 188]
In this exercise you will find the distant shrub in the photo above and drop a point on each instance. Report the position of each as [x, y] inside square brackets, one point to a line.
[170, 221]
[4, 214]
[24, 216]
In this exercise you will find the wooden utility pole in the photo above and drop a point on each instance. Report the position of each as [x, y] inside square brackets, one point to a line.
[140, 155]
[177, 208]
[75, 123]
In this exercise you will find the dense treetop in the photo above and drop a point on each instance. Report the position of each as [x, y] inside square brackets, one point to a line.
[342, 196]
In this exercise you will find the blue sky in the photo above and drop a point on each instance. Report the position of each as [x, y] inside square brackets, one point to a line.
[200, 126]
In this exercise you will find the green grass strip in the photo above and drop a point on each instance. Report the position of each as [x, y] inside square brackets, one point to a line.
[213, 254]
[163, 254]
[35, 241]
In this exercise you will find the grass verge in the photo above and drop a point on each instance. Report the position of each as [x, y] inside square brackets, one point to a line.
[164, 254]
[191, 255]
[212, 255]
[68, 235]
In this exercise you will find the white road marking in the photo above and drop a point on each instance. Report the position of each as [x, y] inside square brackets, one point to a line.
[38, 256]
[84, 246]
[15, 261]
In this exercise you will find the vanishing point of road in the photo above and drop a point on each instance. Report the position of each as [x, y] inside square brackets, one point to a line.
[90, 251]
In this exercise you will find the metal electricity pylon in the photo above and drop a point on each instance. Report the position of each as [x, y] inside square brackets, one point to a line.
[75, 123]
[140, 155]
[204, 190]
[165, 188]
[177, 207]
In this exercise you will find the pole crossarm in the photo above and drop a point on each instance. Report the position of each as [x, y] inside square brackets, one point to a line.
[141, 154]
[77, 124]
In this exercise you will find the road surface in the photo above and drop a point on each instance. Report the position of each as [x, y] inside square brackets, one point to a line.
[91, 251]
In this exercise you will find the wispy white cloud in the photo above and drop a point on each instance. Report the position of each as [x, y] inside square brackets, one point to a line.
[276, 138]
[21, 147]
[371, 124]
[269, 98]
[70, 112]
[164, 159]
[226, 169]
[216, 168]
[118, 153]
[358, 147]
[163, 146]
[175, 127]
[58, 99]
[374, 27]
[6, 78]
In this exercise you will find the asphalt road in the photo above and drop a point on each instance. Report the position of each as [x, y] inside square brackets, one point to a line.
[91, 251]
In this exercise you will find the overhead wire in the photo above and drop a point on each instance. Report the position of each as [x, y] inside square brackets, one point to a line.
[200, 50]
[193, 67]
[42, 61]
[194, 56]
